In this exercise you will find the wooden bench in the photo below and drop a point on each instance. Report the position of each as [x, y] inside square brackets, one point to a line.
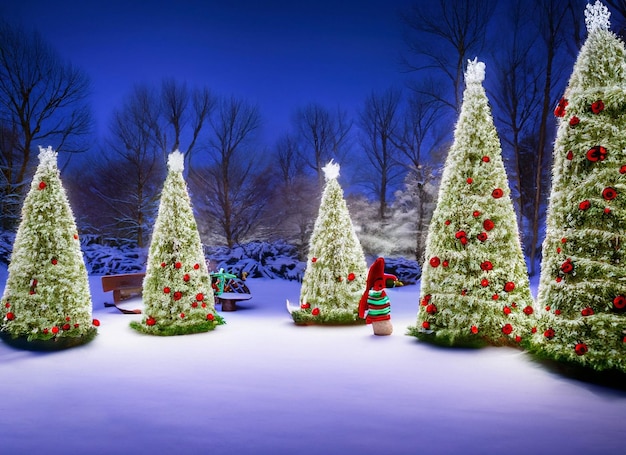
[229, 300]
[123, 286]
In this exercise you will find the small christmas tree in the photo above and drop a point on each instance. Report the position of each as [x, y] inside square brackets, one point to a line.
[474, 286]
[336, 270]
[177, 292]
[47, 302]
[582, 290]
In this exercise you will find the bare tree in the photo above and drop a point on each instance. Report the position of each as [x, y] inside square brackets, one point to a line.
[555, 26]
[518, 92]
[43, 101]
[420, 144]
[185, 112]
[380, 123]
[232, 188]
[128, 174]
[324, 136]
[440, 37]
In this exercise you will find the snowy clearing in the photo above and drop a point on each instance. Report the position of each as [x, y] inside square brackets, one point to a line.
[261, 385]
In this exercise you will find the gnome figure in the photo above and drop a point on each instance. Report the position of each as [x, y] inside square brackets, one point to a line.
[375, 300]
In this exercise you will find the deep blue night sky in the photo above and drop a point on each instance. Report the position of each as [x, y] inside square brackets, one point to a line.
[279, 54]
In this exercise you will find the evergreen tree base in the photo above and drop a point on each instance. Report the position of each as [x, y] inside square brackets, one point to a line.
[50, 343]
[448, 339]
[178, 329]
[332, 317]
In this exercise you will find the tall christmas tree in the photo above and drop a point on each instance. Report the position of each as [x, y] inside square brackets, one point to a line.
[336, 271]
[177, 292]
[47, 302]
[474, 286]
[582, 289]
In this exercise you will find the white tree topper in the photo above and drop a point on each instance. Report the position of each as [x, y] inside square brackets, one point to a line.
[475, 72]
[331, 170]
[597, 17]
[176, 161]
[47, 157]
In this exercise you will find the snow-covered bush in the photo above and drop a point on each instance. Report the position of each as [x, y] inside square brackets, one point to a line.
[258, 260]
[406, 270]
[112, 256]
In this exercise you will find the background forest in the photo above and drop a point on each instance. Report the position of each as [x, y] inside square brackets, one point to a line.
[250, 185]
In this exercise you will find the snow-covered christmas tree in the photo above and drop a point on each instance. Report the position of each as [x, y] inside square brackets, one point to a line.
[47, 302]
[336, 271]
[177, 291]
[474, 286]
[582, 289]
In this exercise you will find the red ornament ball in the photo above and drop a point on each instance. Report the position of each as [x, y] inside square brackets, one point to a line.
[507, 329]
[559, 110]
[196, 266]
[567, 266]
[66, 326]
[194, 305]
[486, 265]
[528, 310]
[304, 306]
[607, 210]
[474, 329]
[434, 261]
[315, 312]
[431, 308]
[182, 315]
[588, 311]
[445, 263]
[42, 185]
[574, 121]
[597, 107]
[622, 169]
[150, 321]
[199, 296]
[485, 159]
[584, 205]
[506, 310]
[55, 330]
[609, 193]
[581, 349]
[482, 236]
[488, 225]
[186, 277]
[497, 193]
[54, 261]
[597, 153]
[178, 295]
[163, 264]
[10, 316]
[426, 325]
[210, 317]
[570, 155]
[166, 290]
[351, 276]
[549, 334]
[470, 180]
[447, 222]
[619, 303]
[495, 297]
[484, 282]
[509, 286]
[96, 322]
[476, 214]
[178, 265]
[557, 312]
[460, 234]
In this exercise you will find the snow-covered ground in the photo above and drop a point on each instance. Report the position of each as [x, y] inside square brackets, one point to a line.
[261, 385]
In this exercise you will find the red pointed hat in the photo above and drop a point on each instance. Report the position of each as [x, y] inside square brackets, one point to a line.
[376, 271]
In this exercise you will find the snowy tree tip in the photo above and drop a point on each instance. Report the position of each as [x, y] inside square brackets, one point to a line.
[597, 17]
[176, 161]
[475, 72]
[331, 170]
[47, 157]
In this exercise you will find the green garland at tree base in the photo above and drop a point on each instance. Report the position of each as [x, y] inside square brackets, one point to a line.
[447, 339]
[174, 330]
[332, 318]
[48, 343]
